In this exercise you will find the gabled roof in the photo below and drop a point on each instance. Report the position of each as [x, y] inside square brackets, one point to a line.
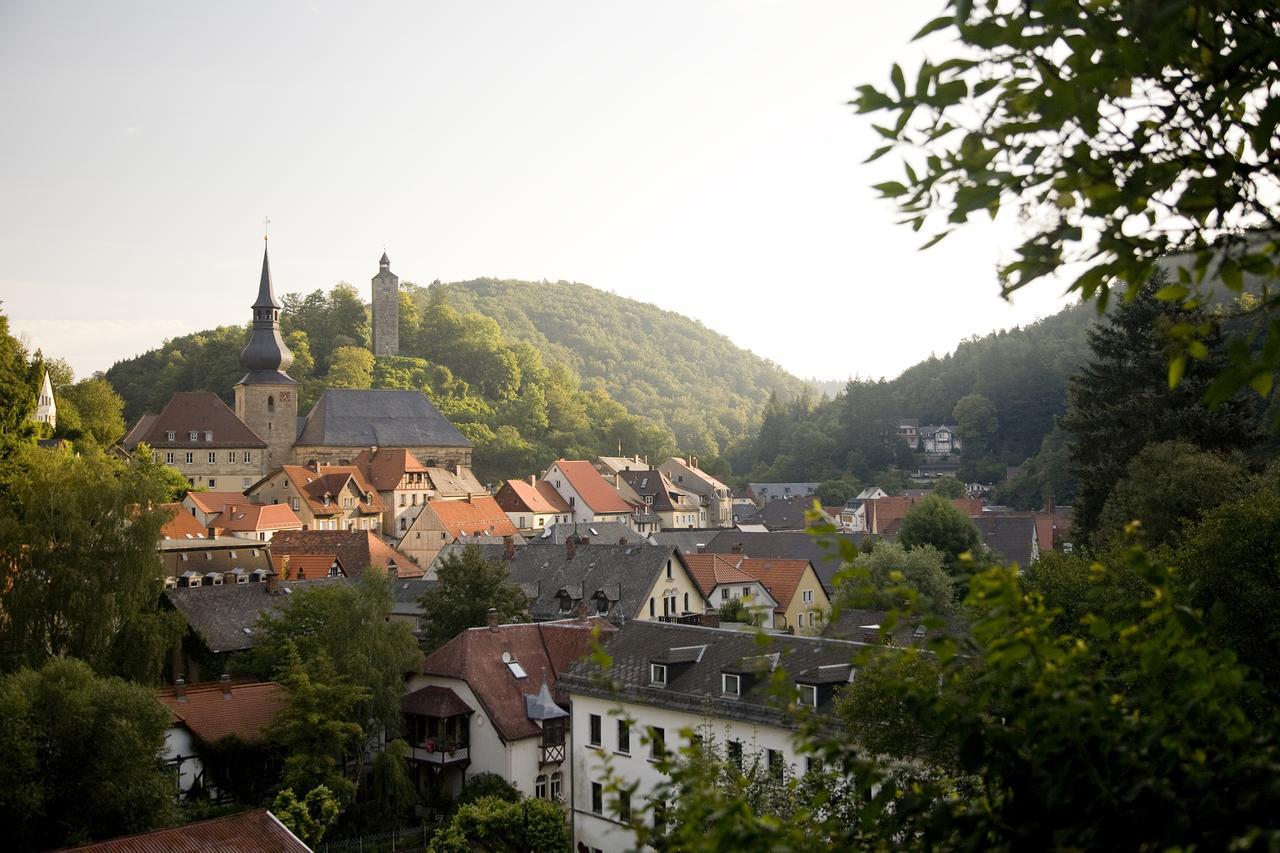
[782, 513]
[520, 496]
[454, 484]
[781, 577]
[220, 615]
[622, 574]
[788, 544]
[478, 515]
[594, 489]
[194, 411]
[654, 484]
[356, 550]
[306, 566]
[249, 517]
[1008, 535]
[182, 525]
[349, 417]
[134, 436]
[215, 501]
[713, 570]
[598, 532]
[697, 472]
[215, 710]
[883, 511]
[385, 467]
[542, 650]
[313, 484]
[434, 701]
[256, 831]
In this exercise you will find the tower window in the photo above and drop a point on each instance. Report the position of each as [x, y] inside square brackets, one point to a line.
[271, 404]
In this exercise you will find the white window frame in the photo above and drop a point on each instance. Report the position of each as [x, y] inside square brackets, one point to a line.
[656, 670]
[808, 695]
[730, 680]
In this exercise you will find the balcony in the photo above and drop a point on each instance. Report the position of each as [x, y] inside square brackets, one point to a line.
[704, 619]
[552, 753]
[438, 755]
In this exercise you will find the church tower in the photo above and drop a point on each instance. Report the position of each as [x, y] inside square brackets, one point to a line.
[46, 408]
[267, 398]
[386, 310]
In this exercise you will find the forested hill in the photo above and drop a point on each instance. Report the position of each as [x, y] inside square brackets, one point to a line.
[657, 363]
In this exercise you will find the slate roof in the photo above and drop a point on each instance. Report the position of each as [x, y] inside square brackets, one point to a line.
[771, 491]
[1008, 535]
[696, 687]
[653, 483]
[182, 525]
[789, 544]
[687, 540]
[543, 650]
[198, 411]
[478, 515]
[594, 489]
[782, 513]
[385, 467]
[434, 701]
[349, 417]
[213, 710]
[256, 831]
[599, 532]
[220, 614]
[847, 623]
[622, 574]
[519, 496]
[215, 501]
[454, 484]
[357, 550]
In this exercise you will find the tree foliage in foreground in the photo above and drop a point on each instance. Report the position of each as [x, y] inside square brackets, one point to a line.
[938, 523]
[1123, 131]
[80, 757]
[497, 824]
[469, 585]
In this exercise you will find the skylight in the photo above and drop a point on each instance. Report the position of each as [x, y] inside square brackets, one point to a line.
[594, 532]
[516, 669]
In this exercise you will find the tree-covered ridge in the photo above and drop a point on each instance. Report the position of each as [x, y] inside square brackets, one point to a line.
[658, 363]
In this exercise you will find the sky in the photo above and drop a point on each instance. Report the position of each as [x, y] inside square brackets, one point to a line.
[699, 156]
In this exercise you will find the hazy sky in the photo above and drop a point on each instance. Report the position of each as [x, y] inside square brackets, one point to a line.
[697, 155]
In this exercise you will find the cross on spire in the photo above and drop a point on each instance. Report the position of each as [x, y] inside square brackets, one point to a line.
[266, 220]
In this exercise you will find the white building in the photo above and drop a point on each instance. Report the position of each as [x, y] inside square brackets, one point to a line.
[590, 497]
[671, 683]
[46, 408]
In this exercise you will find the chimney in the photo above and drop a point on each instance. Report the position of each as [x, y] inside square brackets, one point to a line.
[508, 547]
[470, 498]
[180, 689]
[736, 549]
[570, 547]
[225, 683]
[314, 466]
[273, 583]
[1048, 506]
[533, 480]
[491, 618]
[622, 540]
[457, 469]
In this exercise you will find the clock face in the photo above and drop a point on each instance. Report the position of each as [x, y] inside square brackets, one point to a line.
[284, 396]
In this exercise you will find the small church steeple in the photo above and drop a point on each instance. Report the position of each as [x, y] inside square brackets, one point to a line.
[265, 398]
[266, 358]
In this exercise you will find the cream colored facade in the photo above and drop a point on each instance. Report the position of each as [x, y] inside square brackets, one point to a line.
[674, 593]
[346, 510]
[809, 608]
[219, 469]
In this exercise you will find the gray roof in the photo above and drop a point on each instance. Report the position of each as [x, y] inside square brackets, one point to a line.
[406, 593]
[848, 623]
[782, 513]
[226, 617]
[788, 545]
[599, 532]
[1008, 536]
[541, 706]
[349, 417]
[687, 540]
[695, 685]
[621, 574]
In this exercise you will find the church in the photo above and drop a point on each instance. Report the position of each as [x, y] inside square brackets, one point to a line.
[228, 450]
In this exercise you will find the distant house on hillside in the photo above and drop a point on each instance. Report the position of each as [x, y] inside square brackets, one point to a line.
[762, 493]
[532, 506]
[590, 497]
[939, 440]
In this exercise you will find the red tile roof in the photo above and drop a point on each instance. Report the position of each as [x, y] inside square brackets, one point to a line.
[305, 566]
[883, 511]
[712, 570]
[215, 710]
[182, 525]
[594, 489]
[519, 496]
[780, 577]
[257, 831]
[199, 412]
[256, 517]
[478, 515]
[385, 467]
[544, 650]
[331, 480]
[215, 501]
[357, 550]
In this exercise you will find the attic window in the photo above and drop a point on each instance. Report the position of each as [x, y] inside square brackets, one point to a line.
[658, 674]
[730, 684]
[170, 435]
[208, 435]
[193, 435]
[514, 665]
[808, 695]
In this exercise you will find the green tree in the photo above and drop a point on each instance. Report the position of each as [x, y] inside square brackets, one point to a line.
[99, 409]
[469, 587]
[350, 626]
[1124, 131]
[1168, 486]
[79, 572]
[491, 823]
[893, 577]
[949, 487]
[81, 757]
[18, 390]
[350, 367]
[1121, 400]
[310, 817]
[390, 786]
[488, 785]
[838, 492]
[314, 729]
[976, 423]
[935, 521]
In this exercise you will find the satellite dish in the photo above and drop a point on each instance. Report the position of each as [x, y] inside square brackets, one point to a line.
[506, 657]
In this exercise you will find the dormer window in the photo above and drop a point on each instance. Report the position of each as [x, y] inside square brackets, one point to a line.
[208, 435]
[730, 684]
[566, 602]
[170, 435]
[193, 435]
[808, 695]
[658, 674]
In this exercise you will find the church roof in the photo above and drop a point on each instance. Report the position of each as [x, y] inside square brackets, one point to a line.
[265, 357]
[348, 417]
[201, 412]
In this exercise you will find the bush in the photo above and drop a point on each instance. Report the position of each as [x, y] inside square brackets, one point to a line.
[488, 785]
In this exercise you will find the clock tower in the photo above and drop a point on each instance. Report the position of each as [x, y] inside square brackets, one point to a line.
[267, 397]
[386, 310]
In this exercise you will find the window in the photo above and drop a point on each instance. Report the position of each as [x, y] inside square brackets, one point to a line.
[248, 456]
[246, 482]
[724, 593]
[799, 620]
[808, 596]
[403, 499]
[730, 685]
[168, 457]
[668, 570]
[170, 435]
[213, 457]
[295, 504]
[540, 786]
[813, 765]
[658, 674]
[657, 742]
[735, 753]
[597, 798]
[775, 763]
[593, 738]
[193, 435]
[571, 501]
[271, 404]
[624, 737]
[191, 457]
[746, 591]
[624, 806]
[208, 436]
[403, 523]
[557, 786]
[808, 695]
[213, 484]
[659, 816]
[686, 602]
[651, 613]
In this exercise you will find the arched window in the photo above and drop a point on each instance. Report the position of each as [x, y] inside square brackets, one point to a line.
[540, 786]
[271, 403]
[557, 785]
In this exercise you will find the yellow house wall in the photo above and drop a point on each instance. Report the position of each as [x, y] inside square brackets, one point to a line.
[820, 604]
[680, 582]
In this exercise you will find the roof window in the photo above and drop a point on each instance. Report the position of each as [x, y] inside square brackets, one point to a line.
[658, 674]
[514, 665]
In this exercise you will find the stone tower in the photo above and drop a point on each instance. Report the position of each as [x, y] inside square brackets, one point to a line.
[267, 398]
[386, 310]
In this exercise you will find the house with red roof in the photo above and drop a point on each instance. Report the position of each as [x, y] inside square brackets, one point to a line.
[181, 524]
[204, 714]
[254, 521]
[324, 497]
[589, 495]
[487, 702]
[532, 506]
[477, 519]
[353, 551]
[787, 592]
[257, 831]
[722, 581]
